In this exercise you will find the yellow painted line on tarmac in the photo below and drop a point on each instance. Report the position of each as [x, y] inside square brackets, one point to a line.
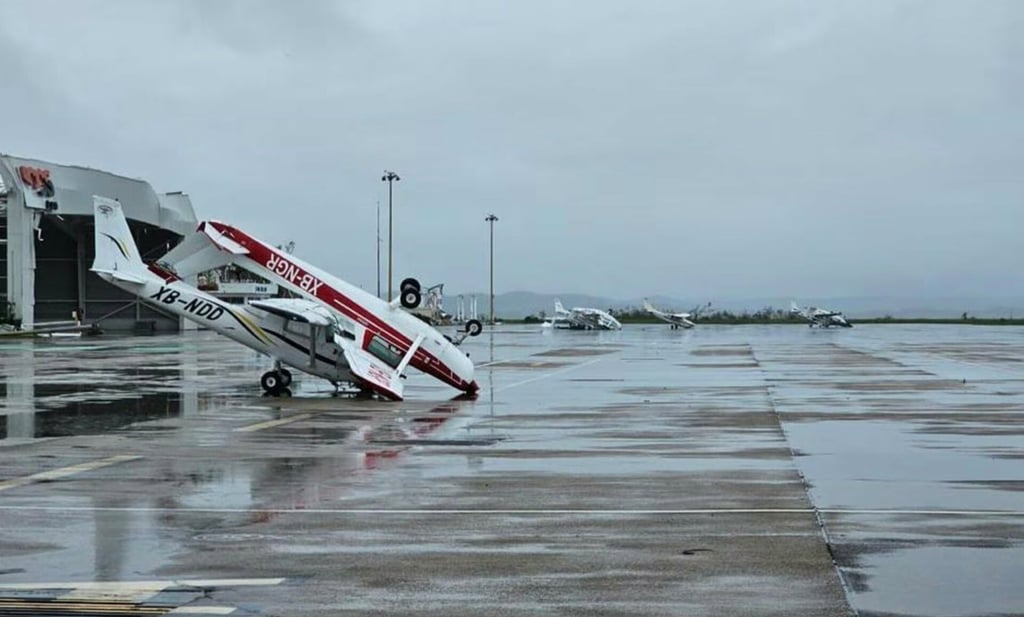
[49, 607]
[272, 423]
[64, 472]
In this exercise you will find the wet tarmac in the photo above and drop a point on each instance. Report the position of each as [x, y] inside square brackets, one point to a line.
[720, 471]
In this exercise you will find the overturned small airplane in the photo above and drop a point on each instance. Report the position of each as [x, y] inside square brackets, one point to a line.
[677, 320]
[820, 318]
[368, 343]
[584, 318]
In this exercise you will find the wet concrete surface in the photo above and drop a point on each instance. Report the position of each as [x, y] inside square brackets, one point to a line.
[716, 471]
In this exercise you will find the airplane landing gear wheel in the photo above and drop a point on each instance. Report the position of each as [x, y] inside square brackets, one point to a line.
[474, 327]
[271, 382]
[286, 377]
[410, 297]
[410, 282]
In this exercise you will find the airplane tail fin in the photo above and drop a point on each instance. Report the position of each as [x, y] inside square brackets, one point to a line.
[793, 308]
[117, 256]
[648, 307]
[558, 306]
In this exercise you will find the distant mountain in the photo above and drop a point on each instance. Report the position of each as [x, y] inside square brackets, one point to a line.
[518, 304]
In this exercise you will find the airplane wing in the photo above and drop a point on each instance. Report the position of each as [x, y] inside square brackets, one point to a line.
[374, 373]
[297, 309]
[371, 372]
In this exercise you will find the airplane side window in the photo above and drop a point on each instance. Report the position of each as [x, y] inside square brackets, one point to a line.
[297, 327]
[384, 352]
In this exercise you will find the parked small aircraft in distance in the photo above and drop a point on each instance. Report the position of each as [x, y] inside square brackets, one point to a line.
[585, 318]
[820, 318]
[375, 331]
[293, 332]
[677, 320]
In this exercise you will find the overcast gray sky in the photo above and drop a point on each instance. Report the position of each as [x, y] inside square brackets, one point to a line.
[697, 149]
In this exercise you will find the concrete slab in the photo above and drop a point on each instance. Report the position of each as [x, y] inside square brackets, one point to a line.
[644, 472]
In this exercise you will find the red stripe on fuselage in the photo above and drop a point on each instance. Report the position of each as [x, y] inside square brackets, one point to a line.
[422, 359]
[166, 275]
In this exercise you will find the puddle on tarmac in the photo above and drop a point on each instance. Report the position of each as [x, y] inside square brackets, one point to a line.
[942, 581]
[85, 417]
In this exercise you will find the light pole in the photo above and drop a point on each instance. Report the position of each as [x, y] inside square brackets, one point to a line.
[389, 177]
[491, 219]
[378, 248]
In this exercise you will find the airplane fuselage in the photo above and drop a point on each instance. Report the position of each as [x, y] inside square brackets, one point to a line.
[377, 321]
[676, 320]
[285, 341]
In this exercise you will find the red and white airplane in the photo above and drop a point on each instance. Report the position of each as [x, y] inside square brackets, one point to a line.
[371, 331]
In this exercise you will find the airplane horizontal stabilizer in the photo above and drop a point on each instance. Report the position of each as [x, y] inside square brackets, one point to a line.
[194, 255]
[120, 275]
[222, 241]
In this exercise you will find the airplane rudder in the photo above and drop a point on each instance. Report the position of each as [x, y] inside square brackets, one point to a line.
[115, 246]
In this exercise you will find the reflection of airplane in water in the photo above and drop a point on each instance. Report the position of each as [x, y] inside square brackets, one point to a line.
[820, 318]
[307, 482]
[582, 319]
[395, 438]
[677, 320]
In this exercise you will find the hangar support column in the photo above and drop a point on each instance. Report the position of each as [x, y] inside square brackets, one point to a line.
[21, 254]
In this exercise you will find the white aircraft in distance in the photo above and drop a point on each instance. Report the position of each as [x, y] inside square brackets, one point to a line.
[585, 318]
[677, 320]
[380, 338]
[820, 318]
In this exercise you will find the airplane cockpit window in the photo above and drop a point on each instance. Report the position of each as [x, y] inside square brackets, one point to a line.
[384, 351]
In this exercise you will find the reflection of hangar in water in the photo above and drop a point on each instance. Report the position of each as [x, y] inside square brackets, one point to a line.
[46, 223]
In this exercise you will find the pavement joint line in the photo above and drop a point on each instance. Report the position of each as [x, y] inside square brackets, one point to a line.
[769, 391]
[202, 610]
[64, 472]
[272, 423]
[524, 511]
[547, 375]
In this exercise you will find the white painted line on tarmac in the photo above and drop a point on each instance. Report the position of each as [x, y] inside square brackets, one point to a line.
[15, 442]
[144, 585]
[272, 423]
[515, 511]
[140, 591]
[547, 375]
[63, 472]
